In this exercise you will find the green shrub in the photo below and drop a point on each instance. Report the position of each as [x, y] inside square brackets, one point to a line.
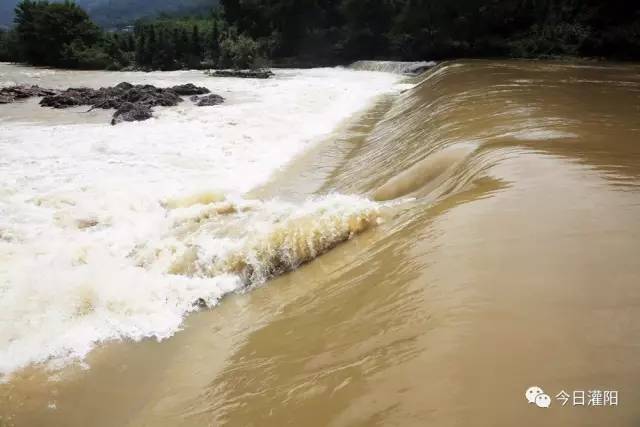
[558, 39]
[239, 52]
[78, 55]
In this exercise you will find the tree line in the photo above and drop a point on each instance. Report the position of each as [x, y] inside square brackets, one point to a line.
[62, 35]
[243, 33]
[437, 29]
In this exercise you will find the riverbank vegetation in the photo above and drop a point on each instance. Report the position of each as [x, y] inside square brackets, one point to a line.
[245, 34]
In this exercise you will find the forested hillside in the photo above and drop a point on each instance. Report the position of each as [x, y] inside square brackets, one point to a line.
[246, 33]
[412, 29]
[115, 13]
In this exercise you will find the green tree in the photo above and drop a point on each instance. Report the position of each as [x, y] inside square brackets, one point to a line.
[183, 51]
[149, 47]
[367, 22]
[214, 42]
[196, 43]
[46, 29]
[164, 54]
[238, 51]
[131, 43]
[5, 56]
[141, 45]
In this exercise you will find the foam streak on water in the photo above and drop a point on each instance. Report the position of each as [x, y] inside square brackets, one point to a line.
[113, 232]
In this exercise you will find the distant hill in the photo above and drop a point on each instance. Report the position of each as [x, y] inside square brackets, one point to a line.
[115, 13]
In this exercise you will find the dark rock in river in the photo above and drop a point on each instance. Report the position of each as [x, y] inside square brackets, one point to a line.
[246, 74]
[166, 98]
[129, 112]
[152, 96]
[123, 86]
[106, 103]
[66, 100]
[131, 102]
[13, 93]
[190, 89]
[208, 101]
[113, 97]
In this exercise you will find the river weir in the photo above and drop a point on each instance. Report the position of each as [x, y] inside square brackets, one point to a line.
[339, 246]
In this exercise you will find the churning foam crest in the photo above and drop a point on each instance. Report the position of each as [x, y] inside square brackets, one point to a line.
[105, 235]
[255, 240]
[84, 291]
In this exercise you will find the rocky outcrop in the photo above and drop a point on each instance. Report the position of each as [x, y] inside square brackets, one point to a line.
[70, 98]
[150, 96]
[207, 101]
[130, 112]
[190, 89]
[246, 74]
[14, 93]
[131, 102]
[113, 97]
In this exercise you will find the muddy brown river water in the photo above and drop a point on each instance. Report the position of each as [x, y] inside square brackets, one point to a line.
[506, 255]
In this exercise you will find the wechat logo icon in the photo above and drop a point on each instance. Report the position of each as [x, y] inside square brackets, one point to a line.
[536, 395]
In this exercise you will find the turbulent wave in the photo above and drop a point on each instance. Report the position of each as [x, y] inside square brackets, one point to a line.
[112, 233]
[86, 291]
[397, 67]
[255, 240]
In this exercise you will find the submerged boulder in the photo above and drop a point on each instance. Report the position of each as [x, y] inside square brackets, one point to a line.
[189, 89]
[129, 112]
[208, 100]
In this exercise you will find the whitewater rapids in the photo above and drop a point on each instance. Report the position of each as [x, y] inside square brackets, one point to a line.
[114, 232]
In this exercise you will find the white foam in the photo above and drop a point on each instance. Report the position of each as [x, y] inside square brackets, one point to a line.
[77, 200]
